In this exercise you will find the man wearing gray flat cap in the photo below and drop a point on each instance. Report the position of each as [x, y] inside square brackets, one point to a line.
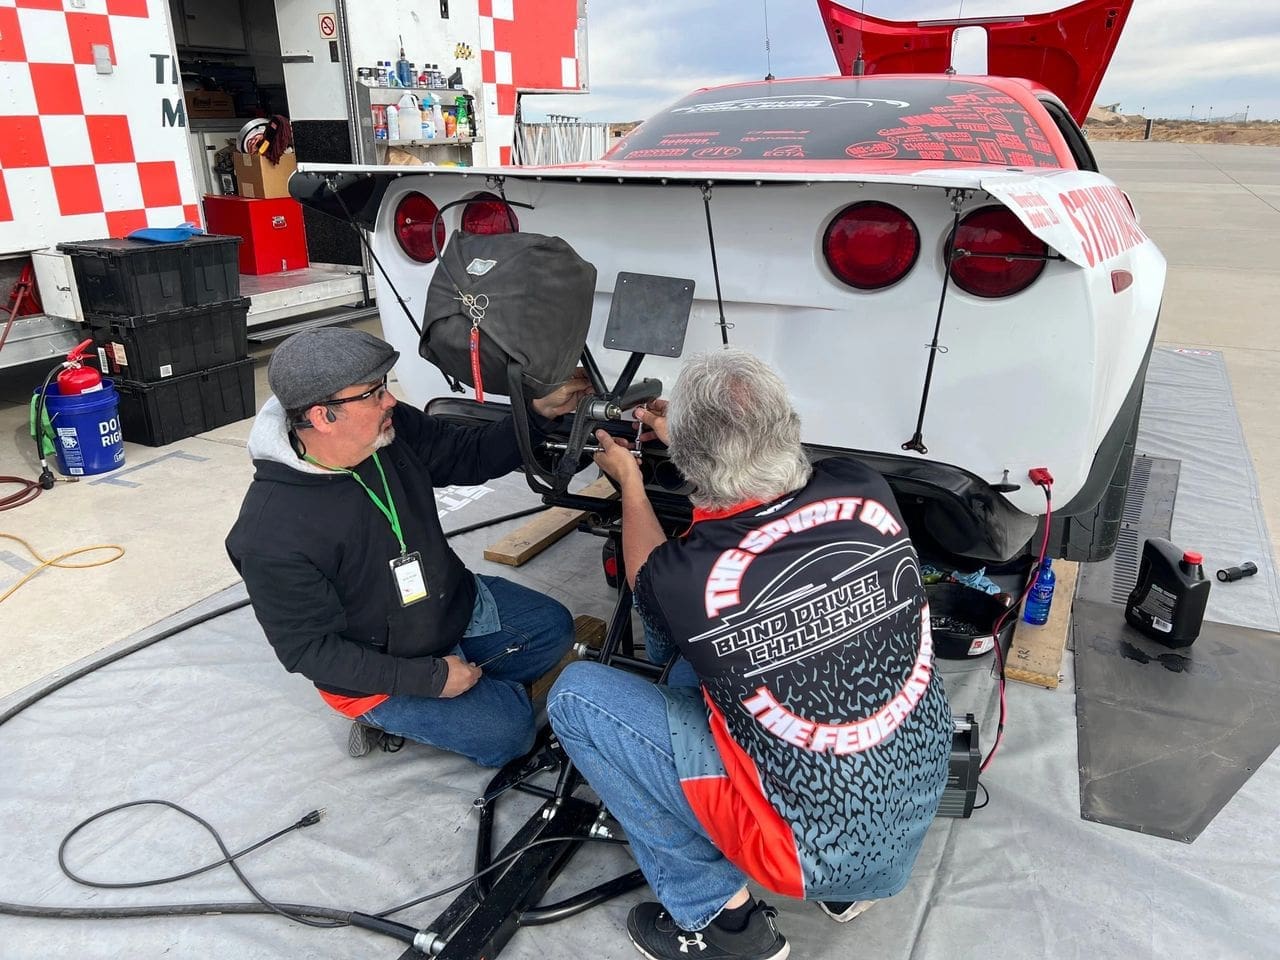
[349, 572]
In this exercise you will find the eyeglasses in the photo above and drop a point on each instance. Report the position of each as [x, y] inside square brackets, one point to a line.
[378, 391]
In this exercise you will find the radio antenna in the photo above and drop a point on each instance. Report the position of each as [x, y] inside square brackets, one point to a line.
[768, 52]
[859, 65]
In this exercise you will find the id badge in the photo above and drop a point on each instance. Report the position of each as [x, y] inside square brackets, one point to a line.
[410, 583]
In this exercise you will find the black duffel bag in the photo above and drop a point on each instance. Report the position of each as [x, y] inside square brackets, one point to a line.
[508, 313]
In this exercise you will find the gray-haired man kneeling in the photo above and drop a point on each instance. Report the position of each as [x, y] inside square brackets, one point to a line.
[802, 740]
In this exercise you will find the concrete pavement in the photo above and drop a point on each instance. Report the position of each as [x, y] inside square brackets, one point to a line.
[1215, 212]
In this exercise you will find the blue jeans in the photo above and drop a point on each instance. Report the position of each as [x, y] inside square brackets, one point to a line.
[493, 721]
[613, 725]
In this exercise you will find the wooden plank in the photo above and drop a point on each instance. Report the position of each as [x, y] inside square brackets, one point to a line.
[588, 630]
[1035, 655]
[545, 528]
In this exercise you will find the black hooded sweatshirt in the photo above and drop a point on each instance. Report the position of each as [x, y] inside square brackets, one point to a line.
[314, 553]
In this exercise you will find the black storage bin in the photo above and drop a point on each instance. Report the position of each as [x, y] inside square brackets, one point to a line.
[158, 413]
[128, 278]
[171, 344]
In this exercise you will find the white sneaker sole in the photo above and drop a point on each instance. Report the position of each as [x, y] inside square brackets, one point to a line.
[855, 911]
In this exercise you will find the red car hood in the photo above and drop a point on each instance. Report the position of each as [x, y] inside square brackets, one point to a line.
[1066, 51]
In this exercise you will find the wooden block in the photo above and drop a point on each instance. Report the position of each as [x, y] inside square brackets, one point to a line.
[545, 528]
[588, 630]
[1035, 655]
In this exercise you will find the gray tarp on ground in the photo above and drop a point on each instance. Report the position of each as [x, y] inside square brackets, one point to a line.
[210, 720]
[1189, 415]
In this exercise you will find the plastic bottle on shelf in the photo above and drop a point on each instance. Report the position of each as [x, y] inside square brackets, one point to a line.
[393, 123]
[437, 116]
[1041, 596]
[437, 78]
[471, 116]
[450, 124]
[460, 111]
[455, 79]
[428, 123]
[382, 74]
[379, 121]
[402, 68]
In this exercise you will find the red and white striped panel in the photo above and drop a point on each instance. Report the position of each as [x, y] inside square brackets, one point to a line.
[85, 155]
[526, 45]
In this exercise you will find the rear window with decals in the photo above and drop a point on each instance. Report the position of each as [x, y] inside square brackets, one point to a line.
[943, 121]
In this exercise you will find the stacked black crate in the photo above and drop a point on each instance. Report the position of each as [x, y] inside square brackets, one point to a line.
[169, 324]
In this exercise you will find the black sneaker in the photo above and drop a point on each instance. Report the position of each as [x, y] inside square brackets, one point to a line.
[842, 911]
[364, 738]
[656, 935]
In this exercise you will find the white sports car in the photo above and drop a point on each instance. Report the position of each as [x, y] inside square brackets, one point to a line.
[933, 262]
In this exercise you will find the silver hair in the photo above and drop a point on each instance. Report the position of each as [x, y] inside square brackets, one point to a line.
[734, 433]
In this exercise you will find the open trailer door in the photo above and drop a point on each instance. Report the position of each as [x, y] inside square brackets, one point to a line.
[1067, 50]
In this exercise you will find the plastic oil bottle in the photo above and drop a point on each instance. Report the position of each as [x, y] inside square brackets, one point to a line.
[1040, 598]
[1169, 600]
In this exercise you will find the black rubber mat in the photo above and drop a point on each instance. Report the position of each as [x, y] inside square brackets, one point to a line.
[1166, 737]
[1148, 512]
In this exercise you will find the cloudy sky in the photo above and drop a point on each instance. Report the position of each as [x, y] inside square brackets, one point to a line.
[1173, 55]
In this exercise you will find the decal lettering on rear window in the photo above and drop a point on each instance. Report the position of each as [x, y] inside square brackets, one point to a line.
[937, 120]
[971, 127]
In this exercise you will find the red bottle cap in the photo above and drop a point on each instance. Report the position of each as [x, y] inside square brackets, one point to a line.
[1193, 558]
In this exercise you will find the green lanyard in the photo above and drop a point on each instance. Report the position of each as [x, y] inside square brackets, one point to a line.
[388, 509]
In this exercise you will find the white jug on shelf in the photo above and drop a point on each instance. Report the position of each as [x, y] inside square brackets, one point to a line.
[408, 103]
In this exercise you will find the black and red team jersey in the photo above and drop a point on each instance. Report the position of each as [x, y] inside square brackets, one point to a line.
[829, 734]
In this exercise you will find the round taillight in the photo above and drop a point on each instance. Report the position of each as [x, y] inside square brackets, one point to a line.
[414, 215]
[996, 256]
[871, 245]
[488, 215]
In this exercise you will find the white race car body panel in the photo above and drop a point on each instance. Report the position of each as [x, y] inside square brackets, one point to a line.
[1031, 380]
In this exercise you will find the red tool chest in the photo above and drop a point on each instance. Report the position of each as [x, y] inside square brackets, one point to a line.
[274, 238]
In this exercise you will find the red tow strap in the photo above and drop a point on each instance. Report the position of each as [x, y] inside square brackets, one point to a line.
[475, 363]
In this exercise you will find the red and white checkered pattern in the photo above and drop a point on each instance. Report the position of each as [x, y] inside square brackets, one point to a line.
[85, 155]
[525, 45]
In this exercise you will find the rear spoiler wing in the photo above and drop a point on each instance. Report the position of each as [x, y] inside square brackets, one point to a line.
[1082, 215]
[1066, 51]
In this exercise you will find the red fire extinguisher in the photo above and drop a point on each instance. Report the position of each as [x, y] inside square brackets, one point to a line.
[76, 377]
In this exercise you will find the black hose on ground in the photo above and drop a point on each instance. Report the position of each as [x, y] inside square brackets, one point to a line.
[297, 911]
